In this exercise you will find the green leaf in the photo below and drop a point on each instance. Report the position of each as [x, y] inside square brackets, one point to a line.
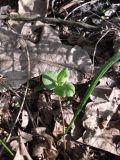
[17, 105]
[49, 79]
[66, 90]
[63, 76]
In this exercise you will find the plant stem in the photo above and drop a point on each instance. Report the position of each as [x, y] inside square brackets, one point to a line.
[63, 122]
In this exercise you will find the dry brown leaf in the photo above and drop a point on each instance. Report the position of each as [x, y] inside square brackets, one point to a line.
[43, 145]
[49, 54]
[14, 145]
[58, 129]
[25, 136]
[77, 150]
[100, 94]
[96, 118]
[18, 156]
[44, 110]
[68, 115]
[22, 153]
[102, 91]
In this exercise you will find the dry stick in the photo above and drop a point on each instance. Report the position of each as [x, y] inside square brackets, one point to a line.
[18, 17]
[16, 118]
[67, 6]
[25, 94]
[2, 83]
[71, 23]
[24, 98]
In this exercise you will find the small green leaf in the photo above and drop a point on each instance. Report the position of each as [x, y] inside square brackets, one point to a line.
[63, 76]
[17, 104]
[49, 79]
[66, 90]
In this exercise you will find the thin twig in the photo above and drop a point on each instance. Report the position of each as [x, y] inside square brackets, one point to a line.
[24, 98]
[7, 86]
[27, 18]
[68, 5]
[80, 6]
[105, 20]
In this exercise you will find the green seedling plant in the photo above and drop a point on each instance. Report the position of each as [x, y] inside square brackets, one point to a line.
[58, 82]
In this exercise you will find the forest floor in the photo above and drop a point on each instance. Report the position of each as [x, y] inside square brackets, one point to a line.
[31, 118]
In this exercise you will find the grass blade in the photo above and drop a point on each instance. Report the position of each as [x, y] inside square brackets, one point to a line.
[8, 150]
[93, 84]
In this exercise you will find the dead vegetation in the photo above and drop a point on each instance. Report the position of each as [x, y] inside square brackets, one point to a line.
[39, 36]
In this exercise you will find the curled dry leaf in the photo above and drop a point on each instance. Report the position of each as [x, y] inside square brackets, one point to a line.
[14, 145]
[43, 145]
[77, 150]
[58, 129]
[22, 152]
[25, 136]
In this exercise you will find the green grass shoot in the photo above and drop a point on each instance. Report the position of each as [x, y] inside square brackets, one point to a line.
[7, 149]
[92, 86]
